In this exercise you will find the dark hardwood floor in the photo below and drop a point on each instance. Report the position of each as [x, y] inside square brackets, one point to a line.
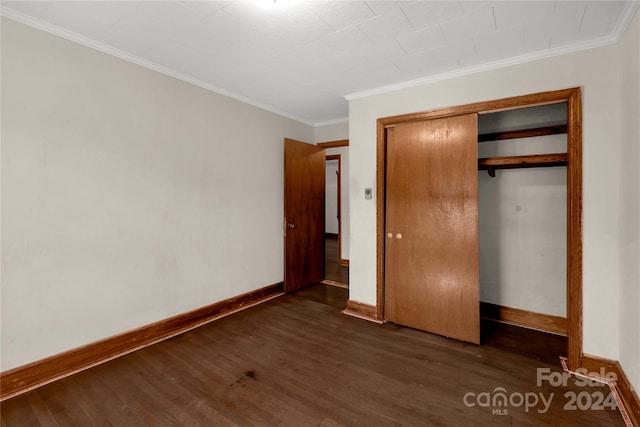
[333, 270]
[297, 361]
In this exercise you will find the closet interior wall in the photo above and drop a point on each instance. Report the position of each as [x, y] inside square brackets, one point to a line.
[522, 215]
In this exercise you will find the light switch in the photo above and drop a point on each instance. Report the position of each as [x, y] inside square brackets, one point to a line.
[368, 193]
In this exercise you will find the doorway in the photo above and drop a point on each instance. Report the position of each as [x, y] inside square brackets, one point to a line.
[573, 160]
[305, 245]
[522, 217]
[335, 272]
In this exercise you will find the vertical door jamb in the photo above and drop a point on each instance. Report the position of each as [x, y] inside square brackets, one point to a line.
[338, 157]
[337, 144]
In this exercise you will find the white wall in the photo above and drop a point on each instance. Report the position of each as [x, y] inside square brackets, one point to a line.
[597, 72]
[331, 197]
[336, 132]
[629, 207]
[522, 216]
[333, 132]
[127, 196]
[522, 229]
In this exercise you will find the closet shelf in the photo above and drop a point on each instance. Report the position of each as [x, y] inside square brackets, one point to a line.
[490, 164]
[523, 133]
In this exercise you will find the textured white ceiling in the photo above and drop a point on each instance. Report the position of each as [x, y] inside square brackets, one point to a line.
[300, 58]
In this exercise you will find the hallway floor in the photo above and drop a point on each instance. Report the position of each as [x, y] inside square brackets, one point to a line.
[333, 270]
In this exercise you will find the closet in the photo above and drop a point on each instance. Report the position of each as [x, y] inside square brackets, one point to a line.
[522, 215]
[479, 205]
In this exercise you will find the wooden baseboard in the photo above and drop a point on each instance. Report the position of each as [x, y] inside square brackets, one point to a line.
[361, 311]
[527, 319]
[344, 262]
[334, 283]
[27, 377]
[630, 402]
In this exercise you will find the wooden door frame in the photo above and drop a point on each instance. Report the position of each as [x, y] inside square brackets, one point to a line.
[336, 144]
[337, 157]
[573, 98]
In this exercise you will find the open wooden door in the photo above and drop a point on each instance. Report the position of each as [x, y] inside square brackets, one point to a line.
[431, 227]
[304, 180]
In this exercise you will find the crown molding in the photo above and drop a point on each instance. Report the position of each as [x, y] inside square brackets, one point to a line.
[626, 18]
[614, 38]
[109, 50]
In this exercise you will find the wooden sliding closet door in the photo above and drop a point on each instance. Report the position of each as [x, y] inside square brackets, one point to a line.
[431, 249]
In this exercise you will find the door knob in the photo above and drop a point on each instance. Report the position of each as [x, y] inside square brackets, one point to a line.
[291, 225]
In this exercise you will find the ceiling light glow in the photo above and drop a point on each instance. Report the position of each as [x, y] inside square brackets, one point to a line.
[274, 4]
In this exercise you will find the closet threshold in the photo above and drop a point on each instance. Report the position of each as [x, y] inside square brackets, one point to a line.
[490, 164]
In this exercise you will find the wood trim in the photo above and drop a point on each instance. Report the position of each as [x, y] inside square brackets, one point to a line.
[512, 103]
[338, 157]
[334, 144]
[529, 161]
[491, 164]
[574, 227]
[381, 185]
[336, 284]
[573, 98]
[361, 311]
[595, 367]
[331, 235]
[344, 262]
[27, 377]
[528, 319]
[339, 210]
[629, 396]
[523, 133]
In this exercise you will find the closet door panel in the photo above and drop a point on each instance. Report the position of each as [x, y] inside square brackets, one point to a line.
[431, 227]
